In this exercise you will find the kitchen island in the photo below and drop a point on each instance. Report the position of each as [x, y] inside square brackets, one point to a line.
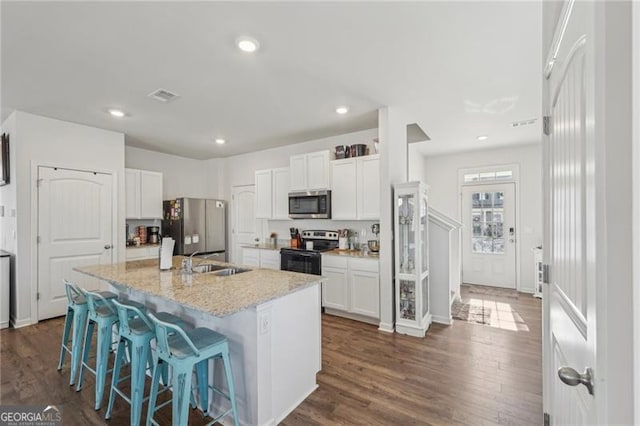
[271, 319]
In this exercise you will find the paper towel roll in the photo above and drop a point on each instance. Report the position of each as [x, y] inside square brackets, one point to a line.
[166, 253]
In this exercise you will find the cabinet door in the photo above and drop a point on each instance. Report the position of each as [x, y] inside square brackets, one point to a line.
[270, 259]
[251, 257]
[343, 189]
[132, 193]
[150, 195]
[318, 170]
[365, 293]
[298, 172]
[263, 194]
[369, 187]
[280, 198]
[335, 290]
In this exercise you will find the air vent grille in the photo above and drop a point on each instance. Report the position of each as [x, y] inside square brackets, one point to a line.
[163, 95]
[524, 122]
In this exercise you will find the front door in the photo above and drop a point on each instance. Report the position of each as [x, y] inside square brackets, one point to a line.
[571, 248]
[489, 249]
[75, 224]
[244, 224]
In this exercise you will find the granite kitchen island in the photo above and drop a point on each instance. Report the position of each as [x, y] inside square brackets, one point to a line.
[271, 318]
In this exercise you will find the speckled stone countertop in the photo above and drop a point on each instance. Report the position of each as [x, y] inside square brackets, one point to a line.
[352, 253]
[215, 295]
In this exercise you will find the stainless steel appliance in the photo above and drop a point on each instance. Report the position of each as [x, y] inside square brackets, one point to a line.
[310, 205]
[196, 225]
[153, 234]
[308, 261]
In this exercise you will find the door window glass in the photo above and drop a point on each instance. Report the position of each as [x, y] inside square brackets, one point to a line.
[487, 213]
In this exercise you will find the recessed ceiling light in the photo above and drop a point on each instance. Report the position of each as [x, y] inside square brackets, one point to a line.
[483, 137]
[220, 141]
[247, 44]
[116, 113]
[342, 110]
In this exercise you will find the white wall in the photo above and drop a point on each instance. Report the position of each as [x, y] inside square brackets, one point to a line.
[43, 140]
[417, 166]
[181, 177]
[442, 177]
[8, 223]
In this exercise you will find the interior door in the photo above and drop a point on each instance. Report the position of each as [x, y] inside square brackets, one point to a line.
[571, 248]
[489, 249]
[244, 226]
[75, 224]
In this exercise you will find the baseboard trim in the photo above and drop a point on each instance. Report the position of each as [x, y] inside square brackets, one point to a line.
[442, 319]
[289, 410]
[21, 323]
[349, 315]
[387, 328]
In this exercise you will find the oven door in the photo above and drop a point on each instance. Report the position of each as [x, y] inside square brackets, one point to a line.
[301, 261]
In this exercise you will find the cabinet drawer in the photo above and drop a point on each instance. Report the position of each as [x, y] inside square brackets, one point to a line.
[334, 262]
[366, 265]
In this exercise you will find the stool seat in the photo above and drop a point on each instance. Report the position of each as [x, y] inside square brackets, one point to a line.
[202, 339]
[79, 299]
[139, 326]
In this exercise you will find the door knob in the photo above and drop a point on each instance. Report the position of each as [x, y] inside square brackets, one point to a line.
[571, 377]
[107, 246]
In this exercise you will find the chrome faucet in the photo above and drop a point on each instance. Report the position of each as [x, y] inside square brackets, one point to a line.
[187, 264]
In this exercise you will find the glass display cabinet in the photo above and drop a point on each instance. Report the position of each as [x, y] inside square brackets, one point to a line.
[411, 215]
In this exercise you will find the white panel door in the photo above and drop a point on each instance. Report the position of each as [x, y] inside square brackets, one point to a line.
[264, 196]
[298, 172]
[280, 187]
[244, 226]
[572, 248]
[132, 193]
[335, 290]
[150, 195]
[75, 224]
[318, 170]
[488, 237]
[343, 189]
[369, 187]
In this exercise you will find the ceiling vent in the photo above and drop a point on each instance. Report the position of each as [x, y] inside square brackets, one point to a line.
[523, 122]
[163, 95]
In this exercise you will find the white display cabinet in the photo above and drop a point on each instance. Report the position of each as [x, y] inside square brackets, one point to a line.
[411, 242]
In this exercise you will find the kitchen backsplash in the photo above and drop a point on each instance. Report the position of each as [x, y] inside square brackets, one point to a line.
[281, 227]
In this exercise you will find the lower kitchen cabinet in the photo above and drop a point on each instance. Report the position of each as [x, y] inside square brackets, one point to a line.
[259, 258]
[352, 288]
[143, 252]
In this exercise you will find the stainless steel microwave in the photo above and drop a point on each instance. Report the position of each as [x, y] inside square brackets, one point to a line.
[310, 205]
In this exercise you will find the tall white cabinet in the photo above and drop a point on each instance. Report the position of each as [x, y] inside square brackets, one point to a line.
[272, 193]
[309, 172]
[411, 245]
[355, 188]
[143, 194]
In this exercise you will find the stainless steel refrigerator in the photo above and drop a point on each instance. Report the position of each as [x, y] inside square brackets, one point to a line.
[196, 225]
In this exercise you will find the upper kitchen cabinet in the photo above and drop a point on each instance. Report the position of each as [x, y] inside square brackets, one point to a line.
[143, 194]
[355, 188]
[309, 172]
[272, 194]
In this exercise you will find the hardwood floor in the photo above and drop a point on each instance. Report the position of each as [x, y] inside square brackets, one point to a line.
[464, 374]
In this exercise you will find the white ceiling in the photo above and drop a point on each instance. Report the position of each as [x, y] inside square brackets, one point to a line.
[462, 68]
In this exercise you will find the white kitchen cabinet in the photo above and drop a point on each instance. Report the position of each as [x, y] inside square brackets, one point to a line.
[143, 194]
[260, 258]
[142, 252]
[272, 194]
[365, 292]
[309, 172]
[352, 288]
[368, 188]
[263, 200]
[343, 189]
[355, 188]
[280, 199]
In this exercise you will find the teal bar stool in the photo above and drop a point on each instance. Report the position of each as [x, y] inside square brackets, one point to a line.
[102, 313]
[76, 317]
[136, 332]
[183, 350]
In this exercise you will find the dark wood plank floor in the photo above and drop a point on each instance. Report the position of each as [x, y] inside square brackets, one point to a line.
[467, 373]
[464, 374]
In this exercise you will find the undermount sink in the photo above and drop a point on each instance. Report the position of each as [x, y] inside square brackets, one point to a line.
[230, 271]
[207, 267]
[222, 271]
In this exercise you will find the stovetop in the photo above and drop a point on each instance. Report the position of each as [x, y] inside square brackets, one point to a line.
[322, 241]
